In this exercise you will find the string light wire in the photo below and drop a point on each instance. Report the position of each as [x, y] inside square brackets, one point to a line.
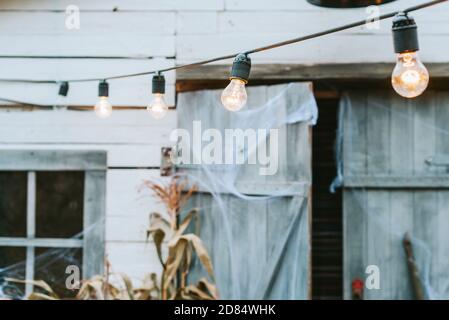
[230, 56]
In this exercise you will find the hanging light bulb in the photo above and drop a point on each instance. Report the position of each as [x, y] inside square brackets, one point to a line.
[410, 77]
[158, 108]
[234, 96]
[103, 108]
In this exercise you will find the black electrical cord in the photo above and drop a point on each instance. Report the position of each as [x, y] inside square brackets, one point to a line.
[230, 56]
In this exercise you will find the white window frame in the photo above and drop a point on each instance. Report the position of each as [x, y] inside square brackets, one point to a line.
[94, 165]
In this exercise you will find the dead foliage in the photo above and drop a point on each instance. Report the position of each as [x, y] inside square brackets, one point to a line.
[175, 249]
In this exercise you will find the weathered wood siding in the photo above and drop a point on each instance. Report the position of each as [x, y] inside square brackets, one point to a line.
[270, 239]
[389, 188]
[133, 146]
[123, 36]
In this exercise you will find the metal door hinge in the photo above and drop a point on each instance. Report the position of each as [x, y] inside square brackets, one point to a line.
[439, 160]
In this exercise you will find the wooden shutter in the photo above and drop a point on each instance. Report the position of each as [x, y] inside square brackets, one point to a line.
[391, 187]
[270, 239]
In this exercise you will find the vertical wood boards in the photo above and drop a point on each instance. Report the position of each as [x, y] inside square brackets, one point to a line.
[395, 137]
[269, 253]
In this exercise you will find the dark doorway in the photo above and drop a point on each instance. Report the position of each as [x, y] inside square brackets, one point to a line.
[327, 261]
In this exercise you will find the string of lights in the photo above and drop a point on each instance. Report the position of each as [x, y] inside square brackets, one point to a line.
[409, 78]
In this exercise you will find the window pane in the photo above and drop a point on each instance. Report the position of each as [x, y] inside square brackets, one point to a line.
[13, 196]
[12, 265]
[59, 204]
[51, 264]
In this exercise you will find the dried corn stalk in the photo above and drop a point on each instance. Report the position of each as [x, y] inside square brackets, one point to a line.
[99, 288]
[181, 246]
[173, 283]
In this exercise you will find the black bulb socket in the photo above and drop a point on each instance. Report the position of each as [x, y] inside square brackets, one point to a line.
[158, 84]
[405, 34]
[63, 89]
[241, 67]
[103, 89]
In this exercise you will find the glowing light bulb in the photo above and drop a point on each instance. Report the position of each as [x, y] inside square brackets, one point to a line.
[410, 77]
[103, 108]
[158, 108]
[234, 96]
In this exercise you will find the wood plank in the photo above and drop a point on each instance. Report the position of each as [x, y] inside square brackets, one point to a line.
[125, 118]
[31, 229]
[127, 229]
[378, 133]
[354, 228]
[94, 223]
[120, 45]
[213, 229]
[31, 204]
[403, 182]
[424, 134]
[241, 216]
[401, 139]
[108, 24]
[377, 241]
[257, 98]
[257, 243]
[296, 285]
[121, 156]
[426, 237]
[73, 68]
[354, 110]
[431, 21]
[441, 251]
[120, 5]
[135, 259]
[296, 71]
[52, 160]
[401, 202]
[256, 188]
[196, 22]
[280, 96]
[126, 195]
[400, 221]
[29, 269]
[338, 48]
[288, 5]
[41, 242]
[268, 5]
[441, 156]
[249, 237]
[83, 127]
[274, 266]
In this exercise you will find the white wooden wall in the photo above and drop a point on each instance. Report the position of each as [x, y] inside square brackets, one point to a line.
[148, 34]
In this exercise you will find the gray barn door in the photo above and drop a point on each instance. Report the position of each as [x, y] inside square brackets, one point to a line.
[395, 160]
[258, 233]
